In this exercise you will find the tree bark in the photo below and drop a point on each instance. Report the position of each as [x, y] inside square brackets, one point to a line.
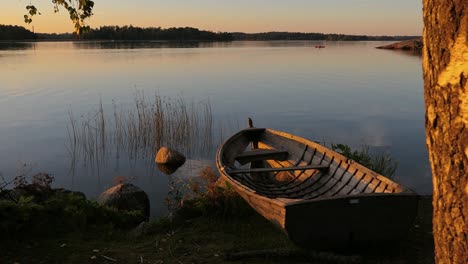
[445, 65]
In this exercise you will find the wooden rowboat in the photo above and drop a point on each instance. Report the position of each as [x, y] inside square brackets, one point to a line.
[318, 197]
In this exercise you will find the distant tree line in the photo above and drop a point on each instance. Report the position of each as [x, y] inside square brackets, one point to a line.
[154, 33]
[55, 36]
[313, 36]
[8, 32]
[179, 34]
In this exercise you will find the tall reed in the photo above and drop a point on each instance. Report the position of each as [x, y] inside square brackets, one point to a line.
[140, 131]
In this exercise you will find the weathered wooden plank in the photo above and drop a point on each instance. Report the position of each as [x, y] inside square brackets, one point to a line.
[389, 188]
[358, 175]
[284, 191]
[319, 183]
[381, 187]
[281, 143]
[363, 183]
[322, 190]
[310, 167]
[339, 184]
[346, 189]
[304, 187]
[372, 185]
[261, 154]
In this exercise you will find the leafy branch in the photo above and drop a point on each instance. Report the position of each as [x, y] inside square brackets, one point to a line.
[79, 11]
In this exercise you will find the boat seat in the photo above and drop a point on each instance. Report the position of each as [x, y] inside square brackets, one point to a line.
[261, 154]
[310, 167]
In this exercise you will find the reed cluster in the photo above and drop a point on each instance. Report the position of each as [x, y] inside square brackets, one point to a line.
[139, 131]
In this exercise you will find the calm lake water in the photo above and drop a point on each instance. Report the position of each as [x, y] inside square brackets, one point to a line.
[348, 93]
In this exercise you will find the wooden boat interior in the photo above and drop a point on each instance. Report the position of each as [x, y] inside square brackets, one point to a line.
[279, 165]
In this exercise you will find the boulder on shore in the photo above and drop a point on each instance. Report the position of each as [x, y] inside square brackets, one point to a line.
[169, 157]
[127, 197]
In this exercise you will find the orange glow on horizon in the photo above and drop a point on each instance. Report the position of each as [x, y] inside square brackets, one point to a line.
[331, 20]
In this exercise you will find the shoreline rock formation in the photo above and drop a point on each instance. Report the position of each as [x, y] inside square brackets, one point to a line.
[411, 45]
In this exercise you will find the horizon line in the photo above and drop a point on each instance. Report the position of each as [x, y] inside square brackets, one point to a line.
[231, 32]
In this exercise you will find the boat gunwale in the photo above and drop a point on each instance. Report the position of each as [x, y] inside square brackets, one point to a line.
[284, 201]
[337, 156]
[233, 181]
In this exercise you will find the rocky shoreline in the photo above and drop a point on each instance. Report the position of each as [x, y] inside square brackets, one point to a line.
[415, 45]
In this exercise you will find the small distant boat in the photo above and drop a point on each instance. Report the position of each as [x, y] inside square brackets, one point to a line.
[319, 46]
[318, 197]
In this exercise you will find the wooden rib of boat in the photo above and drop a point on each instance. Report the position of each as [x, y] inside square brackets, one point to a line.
[318, 197]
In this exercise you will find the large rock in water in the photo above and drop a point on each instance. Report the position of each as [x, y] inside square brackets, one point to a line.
[169, 157]
[126, 197]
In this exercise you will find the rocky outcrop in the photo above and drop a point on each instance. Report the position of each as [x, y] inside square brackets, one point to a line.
[127, 197]
[412, 45]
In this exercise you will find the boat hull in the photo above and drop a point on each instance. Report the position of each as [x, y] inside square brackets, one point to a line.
[328, 201]
[351, 222]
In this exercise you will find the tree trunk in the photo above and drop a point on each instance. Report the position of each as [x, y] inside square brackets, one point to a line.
[445, 64]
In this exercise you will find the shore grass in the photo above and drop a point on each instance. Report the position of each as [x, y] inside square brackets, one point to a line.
[199, 233]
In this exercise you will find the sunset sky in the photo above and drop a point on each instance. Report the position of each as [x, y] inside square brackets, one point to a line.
[371, 17]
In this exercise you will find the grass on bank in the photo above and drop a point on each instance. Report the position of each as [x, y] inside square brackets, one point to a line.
[211, 226]
[70, 229]
[201, 236]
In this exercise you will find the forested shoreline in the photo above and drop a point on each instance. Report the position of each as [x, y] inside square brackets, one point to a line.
[8, 32]
[132, 33]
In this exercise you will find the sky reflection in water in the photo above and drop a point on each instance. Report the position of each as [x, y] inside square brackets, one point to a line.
[348, 93]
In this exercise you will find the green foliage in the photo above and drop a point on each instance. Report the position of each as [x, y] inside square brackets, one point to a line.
[79, 11]
[381, 163]
[215, 198]
[60, 214]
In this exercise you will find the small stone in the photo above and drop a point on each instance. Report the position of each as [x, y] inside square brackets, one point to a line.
[95, 250]
[63, 245]
[93, 257]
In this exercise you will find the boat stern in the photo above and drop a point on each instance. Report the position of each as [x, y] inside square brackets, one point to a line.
[352, 221]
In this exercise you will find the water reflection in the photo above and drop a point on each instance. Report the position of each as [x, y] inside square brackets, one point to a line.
[348, 93]
[17, 45]
[401, 52]
[146, 44]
